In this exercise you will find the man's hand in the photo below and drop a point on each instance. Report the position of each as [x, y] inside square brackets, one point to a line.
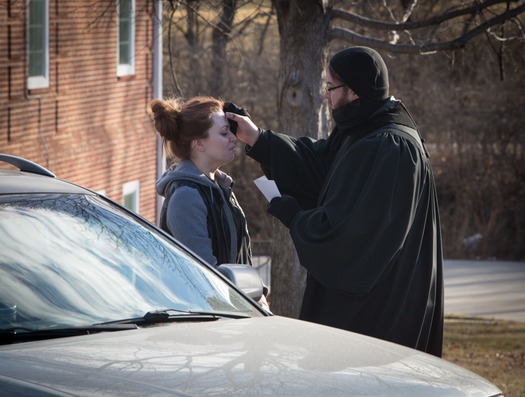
[246, 130]
[284, 208]
[233, 108]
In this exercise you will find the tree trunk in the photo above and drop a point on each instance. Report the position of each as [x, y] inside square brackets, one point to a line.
[220, 37]
[302, 65]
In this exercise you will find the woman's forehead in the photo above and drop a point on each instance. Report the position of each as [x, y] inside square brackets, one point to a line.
[219, 118]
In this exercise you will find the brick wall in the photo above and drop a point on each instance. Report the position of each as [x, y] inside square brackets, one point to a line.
[89, 126]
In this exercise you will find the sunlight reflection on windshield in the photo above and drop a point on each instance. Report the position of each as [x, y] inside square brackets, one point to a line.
[71, 263]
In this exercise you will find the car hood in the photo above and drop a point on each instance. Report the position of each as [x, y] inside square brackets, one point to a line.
[249, 357]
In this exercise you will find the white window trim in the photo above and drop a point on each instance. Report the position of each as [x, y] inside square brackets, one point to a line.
[129, 68]
[132, 188]
[40, 81]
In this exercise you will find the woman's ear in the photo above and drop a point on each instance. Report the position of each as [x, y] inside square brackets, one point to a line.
[196, 144]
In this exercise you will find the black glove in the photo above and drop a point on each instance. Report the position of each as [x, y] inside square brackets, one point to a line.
[233, 108]
[284, 208]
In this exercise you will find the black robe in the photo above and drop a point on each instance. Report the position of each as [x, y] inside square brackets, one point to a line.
[370, 233]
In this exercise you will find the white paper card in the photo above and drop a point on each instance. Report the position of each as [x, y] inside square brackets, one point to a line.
[267, 187]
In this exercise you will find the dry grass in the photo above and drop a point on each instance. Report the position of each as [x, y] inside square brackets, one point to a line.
[494, 349]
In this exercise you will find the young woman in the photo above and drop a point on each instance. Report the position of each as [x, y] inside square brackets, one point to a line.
[200, 209]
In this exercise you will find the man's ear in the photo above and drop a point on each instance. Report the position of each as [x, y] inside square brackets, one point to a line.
[351, 95]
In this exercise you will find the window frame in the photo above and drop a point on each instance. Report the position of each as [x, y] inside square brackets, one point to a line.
[132, 189]
[126, 68]
[41, 80]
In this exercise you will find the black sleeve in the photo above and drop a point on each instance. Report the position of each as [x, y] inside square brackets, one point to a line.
[297, 165]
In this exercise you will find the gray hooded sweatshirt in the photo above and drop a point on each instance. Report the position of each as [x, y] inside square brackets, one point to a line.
[186, 212]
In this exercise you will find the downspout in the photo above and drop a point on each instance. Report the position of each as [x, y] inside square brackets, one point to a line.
[157, 92]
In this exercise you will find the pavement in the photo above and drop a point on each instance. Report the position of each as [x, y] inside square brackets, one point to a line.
[488, 289]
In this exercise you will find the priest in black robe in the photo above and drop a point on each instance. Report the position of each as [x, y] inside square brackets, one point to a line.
[362, 209]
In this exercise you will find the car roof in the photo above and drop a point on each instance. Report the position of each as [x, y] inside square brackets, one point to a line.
[32, 178]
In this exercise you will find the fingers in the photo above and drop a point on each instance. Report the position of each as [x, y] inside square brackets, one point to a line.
[247, 131]
[232, 116]
[243, 121]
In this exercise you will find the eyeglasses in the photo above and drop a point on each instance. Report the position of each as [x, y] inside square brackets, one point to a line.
[330, 89]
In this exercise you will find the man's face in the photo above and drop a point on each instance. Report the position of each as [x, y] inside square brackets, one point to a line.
[337, 93]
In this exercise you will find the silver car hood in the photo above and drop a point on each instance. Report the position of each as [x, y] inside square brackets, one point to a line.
[269, 356]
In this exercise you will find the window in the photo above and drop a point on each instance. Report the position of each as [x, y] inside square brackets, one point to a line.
[131, 196]
[126, 37]
[38, 43]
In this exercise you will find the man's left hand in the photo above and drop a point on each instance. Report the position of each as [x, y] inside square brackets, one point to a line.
[284, 208]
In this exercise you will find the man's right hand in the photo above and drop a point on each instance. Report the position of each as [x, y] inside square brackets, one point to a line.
[247, 131]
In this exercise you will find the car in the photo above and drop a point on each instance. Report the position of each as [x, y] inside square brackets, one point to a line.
[97, 301]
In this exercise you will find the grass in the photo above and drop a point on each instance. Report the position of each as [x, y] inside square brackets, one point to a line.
[494, 349]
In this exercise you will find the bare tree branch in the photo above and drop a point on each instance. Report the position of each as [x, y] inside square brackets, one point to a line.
[206, 20]
[409, 8]
[346, 34]
[382, 25]
[263, 33]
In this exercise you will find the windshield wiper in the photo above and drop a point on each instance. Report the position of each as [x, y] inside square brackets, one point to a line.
[23, 334]
[169, 315]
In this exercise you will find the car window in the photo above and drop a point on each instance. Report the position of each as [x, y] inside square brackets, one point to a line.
[69, 260]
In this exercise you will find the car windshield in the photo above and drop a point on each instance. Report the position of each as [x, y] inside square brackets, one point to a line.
[71, 260]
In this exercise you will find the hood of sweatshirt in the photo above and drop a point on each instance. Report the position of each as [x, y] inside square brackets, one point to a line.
[187, 171]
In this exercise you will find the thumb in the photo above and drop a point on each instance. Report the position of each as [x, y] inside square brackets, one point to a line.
[247, 131]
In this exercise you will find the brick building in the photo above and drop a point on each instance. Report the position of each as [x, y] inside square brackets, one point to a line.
[75, 80]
